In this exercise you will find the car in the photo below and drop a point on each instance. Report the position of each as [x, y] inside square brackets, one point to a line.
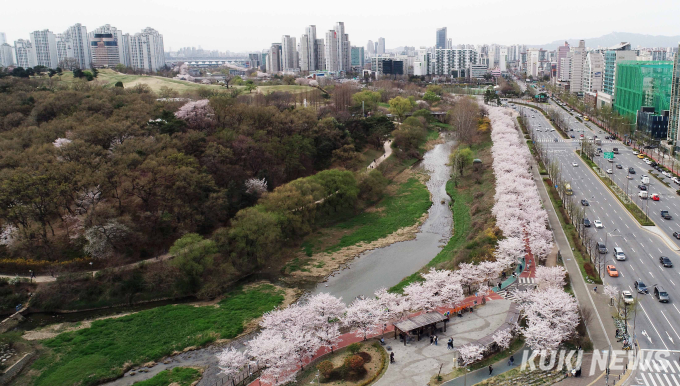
[586, 223]
[590, 138]
[601, 247]
[661, 294]
[609, 171]
[653, 164]
[648, 162]
[585, 202]
[598, 224]
[665, 173]
[629, 177]
[640, 156]
[533, 116]
[676, 235]
[641, 287]
[666, 262]
[631, 170]
[572, 135]
[635, 152]
[642, 187]
[656, 197]
[618, 166]
[666, 215]
[555, 139]
[574, 164]
[627, 297]
[611, 271]
[610, 160]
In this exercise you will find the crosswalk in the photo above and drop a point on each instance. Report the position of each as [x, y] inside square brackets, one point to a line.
[527, 280]
[657, 372]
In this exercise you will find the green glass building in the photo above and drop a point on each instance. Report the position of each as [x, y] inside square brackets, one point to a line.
[642, 83]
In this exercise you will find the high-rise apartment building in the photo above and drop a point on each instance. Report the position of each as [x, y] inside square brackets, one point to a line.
[577, 57]
[108, 47]
[454, 62]
[80, 45]
[6, 55]
[503, 59]
[370, 49]
[146, 51]
[274, 63]
[289, 55]
[321, 55]
[533, 62]
[381, 46]
[332, 60]
[343, 47]
[44, 48]
[23, 50]
[593, 67]
[3, 38]
[308, 50]
[441, 38]
[674, 118]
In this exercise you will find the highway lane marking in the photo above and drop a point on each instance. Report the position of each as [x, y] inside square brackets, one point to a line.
[676, 308]
[671, 281]
[650, 273]
[669, 322]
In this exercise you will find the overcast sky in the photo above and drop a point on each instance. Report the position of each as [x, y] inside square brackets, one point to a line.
[253, 25]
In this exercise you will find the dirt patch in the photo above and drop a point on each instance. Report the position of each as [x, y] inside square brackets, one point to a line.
[321, 265]
[53, 330]
[429, 145]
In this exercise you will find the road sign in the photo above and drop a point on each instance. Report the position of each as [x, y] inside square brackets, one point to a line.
[609, 155]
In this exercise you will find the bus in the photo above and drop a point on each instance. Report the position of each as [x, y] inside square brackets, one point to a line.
[568, 190]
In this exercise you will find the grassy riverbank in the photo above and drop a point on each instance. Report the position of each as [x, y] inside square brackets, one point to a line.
[179, 376]
[111, 346]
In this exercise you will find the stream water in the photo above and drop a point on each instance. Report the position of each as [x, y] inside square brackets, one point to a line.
[369, 272]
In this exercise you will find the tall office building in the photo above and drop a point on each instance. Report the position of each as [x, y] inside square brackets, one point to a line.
[357, 57]
[332, 60]
[441, 38]
[674, 118]
[6, 55]
[503, 59]
[562, 52]
[593, 67]
[3, 38]
[381, 46]
[44, 48]
[146, 51]
[533, 62]
[289, 55]
[577, 57]
[370, 49]
[23, 50]
[107, 47]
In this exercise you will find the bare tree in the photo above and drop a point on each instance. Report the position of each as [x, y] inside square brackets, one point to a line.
[464, 118]
[69, 64]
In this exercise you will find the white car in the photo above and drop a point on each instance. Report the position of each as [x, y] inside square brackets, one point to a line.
[609, 171]
[627, 297]
[667, 174]
[574, 164]
[598, 224]
[647, 161]
[635, 152]
[533, 116]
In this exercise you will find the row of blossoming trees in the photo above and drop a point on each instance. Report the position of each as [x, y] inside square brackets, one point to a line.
[291, 337]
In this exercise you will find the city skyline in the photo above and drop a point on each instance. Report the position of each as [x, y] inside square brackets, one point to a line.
[217, 30]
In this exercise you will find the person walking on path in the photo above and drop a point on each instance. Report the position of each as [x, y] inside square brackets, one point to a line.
[449, 344]
[512, 360]
[392, 357]
[490, 369]
[595, 288]
[436, 340]
[431, 339]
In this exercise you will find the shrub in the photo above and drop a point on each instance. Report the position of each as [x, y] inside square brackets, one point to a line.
[354, 348]
[325, 368]
[354, 362]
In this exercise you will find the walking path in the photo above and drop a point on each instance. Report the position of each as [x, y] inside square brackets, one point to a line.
[479, 375]
[388, 152]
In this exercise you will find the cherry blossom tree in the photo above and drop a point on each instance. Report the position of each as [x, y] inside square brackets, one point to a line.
[325, 312]
[550, 276]
[102, 240]
[470, 353]
[440, 288]
[612, 292]
[232, 362]
[551, 318]
[198, 114]
[256, 186]
[363, 317]
[61, 142]
[503, 338]
[393, 307]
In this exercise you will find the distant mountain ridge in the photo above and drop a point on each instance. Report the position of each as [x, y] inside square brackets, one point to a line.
[615, 38]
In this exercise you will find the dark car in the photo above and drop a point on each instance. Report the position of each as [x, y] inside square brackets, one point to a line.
[573, 136]
[666, 262]
[661, 294]
[641, 287]
[618, 166]
[585, 202]
[586, 223]
[676, 235]
[666, 215]
[642, 187]
[631, 170]
[601, 247]
[653, 164]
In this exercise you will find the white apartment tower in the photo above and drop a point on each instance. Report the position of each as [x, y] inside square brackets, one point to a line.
[533, 62]
[503, 59]
[332, 60]
[80, 45]
[308, 54]
[343, 47]
[44, 48]
[381, 46]
[370, 49]
[146, 50]
[23, 50]
[577, 57]
[6, 55]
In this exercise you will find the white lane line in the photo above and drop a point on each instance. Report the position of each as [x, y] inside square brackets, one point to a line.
[671, 324]
[650, 273]
[653, 326]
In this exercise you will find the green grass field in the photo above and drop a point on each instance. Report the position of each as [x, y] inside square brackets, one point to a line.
[293, 89]
[181, 376]
[105, 350]
[410, 202]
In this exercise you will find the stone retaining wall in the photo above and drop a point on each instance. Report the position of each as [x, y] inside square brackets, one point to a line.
[16, 368]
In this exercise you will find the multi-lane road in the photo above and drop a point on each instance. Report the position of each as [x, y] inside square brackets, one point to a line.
[657, 325]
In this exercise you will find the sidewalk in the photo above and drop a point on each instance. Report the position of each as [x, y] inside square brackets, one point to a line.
[479, 375]
[388, 152]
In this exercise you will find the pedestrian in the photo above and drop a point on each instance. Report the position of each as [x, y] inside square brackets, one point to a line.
[499, 285]
[436, 340]
[431, 339]
[392, 357]
[504, 275]
[512, 360]
[595, 288]
[490, 369]
[449, 344]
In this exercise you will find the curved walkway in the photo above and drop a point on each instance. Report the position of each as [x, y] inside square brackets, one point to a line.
[388, 152]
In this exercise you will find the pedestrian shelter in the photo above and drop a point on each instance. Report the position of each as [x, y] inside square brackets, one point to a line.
[421, 324]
